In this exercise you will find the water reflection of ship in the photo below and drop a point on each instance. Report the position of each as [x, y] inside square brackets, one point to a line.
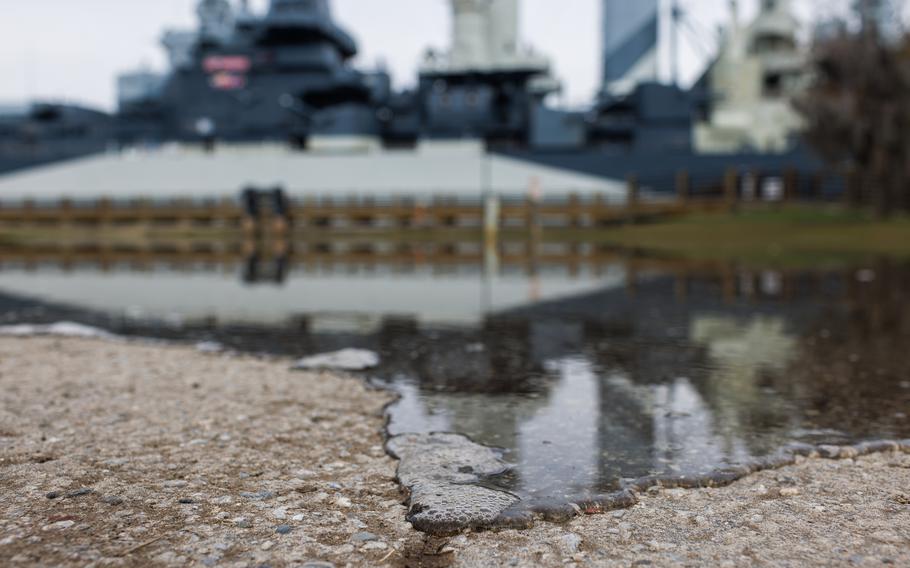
[683, 384]
[651, 374]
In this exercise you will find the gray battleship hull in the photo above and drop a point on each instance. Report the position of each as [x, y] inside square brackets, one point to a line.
[356, 167]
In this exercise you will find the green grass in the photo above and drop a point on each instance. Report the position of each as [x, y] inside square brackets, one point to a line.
[792, 235]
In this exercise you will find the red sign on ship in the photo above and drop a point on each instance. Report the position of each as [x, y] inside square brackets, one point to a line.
[227, 64]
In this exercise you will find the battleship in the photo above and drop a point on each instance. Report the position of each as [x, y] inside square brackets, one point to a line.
[274, 98]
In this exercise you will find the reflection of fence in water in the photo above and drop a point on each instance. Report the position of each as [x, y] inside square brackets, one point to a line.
[730, 281]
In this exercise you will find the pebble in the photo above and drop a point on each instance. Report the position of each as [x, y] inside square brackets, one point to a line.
[318, 564]
[886, 537]
[78, 493]
[175, 483]
[186, 501]
[298, 517]
[364, 537]
[789, 492]
[570, 543]
[830, 452]
[267, 545]
[343, 502]
[112, 500]
[281, 513]
[59, 525]
[209, 347]
[242, 522]
[257, 496]
[335, 486]
[656, 546]
[375, 545]
[283, 529]
[53, 495]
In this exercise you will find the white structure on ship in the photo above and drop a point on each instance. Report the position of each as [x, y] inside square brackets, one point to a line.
[757, 74]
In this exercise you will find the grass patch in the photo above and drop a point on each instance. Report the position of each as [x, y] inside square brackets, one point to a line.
[792, 235]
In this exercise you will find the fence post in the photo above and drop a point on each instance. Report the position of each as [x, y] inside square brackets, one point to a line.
[632, 195]
[791, 185]
[574, 208]
[249, 201]
[104, 212]
[492, 215]
[28, 211]
[683, 187]
[535, 231]
[853, 193]
[597, 209]
[66, 212]
[731, 188]
[281, 211]
[491, 219]
[816, 186]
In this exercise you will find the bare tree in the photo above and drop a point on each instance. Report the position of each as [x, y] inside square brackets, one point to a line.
[858, 109]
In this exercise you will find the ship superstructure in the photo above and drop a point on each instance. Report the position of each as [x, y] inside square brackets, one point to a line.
[631, 35]
[274, 97]
[760, 69]
[35, 134]
[284, 75]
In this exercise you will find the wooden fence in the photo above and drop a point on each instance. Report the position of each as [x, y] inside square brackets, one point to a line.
[257, 213]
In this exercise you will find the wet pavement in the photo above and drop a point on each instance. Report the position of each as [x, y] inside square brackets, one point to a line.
[583, 381]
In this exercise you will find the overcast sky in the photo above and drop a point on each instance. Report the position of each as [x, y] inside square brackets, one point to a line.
[72, 49]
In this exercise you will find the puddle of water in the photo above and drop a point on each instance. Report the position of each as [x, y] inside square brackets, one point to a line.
[583, 379]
